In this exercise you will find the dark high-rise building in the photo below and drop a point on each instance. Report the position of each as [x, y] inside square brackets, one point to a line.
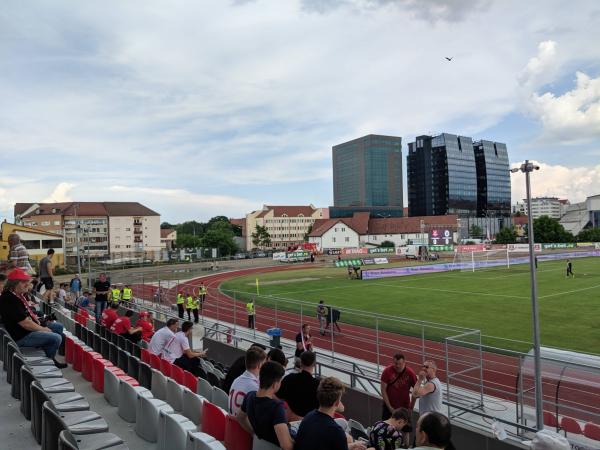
[367, 176]
[442, 176]
[493, 179]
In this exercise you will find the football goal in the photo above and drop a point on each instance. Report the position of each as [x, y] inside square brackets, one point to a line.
[476, 260]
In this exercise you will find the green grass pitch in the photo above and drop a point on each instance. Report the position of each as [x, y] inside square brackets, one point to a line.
[496, 301]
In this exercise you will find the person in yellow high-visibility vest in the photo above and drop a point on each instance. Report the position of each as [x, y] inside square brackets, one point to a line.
[180, 304]
[127, 294]
[196, 308]
[190, 303]
[115, 294]
[202, 291]
[250, 309]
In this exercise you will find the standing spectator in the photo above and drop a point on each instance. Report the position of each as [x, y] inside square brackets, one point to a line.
[299, 390]
[18, 256]
[251, 310]
[262, 414]
[109, 316]
[122, 327]
[75, 287]
[46, 274]
[319, 430]
[387, 434]
[145, 323]
[303, 341]
[180, 304]
[322, 317]
[178, 351]
[433, 432]
[189, 307]
[397, 381]
[202, 291]
[333, 316]
[248, 381]
[570, 269]
[428, 390]
[101, 290]
[62, 293]
[162, 337]
[22, 322]
[237, 368]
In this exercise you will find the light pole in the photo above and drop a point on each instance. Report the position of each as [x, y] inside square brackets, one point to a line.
[528, 167]
[75, 207]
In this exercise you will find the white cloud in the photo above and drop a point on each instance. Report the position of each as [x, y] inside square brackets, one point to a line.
[60, 193]
[572, 183]
[541, 68]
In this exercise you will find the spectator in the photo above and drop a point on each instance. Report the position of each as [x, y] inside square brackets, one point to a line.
[75, 287]
[46, 274]
[277, 355]
[387, 434]
[433, 432]
[251, 311]
[101, 290]
[109, 315]
[248, 381]
[162, 337]
[428, 389]
[333, 316]
[84, 300]
[322, 317]
[145, 323]
[18, 256]
[62, 293]
[397, 381]
[319, 430]
[237, 368]
[262, 414]
[122, 327]
[177, 351]
[22, 323]
[303, 341]
[299, 390]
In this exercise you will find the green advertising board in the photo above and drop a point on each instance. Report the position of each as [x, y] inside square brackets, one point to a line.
[382, 250]
[348, 262]
[559, 245]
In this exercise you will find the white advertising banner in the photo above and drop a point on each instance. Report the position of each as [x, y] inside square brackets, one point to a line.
[524, 248]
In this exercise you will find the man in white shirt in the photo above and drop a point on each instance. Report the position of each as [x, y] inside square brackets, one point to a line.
[248, 381]
[161, 338]
[177, 351]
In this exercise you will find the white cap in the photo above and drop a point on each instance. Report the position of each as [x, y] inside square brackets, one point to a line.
[549, 440]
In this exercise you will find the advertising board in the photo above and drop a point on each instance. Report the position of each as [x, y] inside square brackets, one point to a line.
[470, 248]
[555, 245]
[524, 248]
[333, 251]
[381, 260]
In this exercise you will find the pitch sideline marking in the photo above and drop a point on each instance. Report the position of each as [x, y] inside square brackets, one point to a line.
[570, 292]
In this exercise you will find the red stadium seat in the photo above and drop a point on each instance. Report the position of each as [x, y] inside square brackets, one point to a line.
[177, 374]
[87, 366]
[146, 355]
[236, 438]
[213, 421]
[98, 373]
[155, 361]
[570, 425]
[190, 381]
[592, 431]
[77, 357]
[165, 367]
[69, 348]
[550, 419]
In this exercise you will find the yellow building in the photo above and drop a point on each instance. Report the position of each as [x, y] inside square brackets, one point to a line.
[37, 242]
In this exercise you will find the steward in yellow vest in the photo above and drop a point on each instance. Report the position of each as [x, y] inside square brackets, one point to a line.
[180, 304]
[115, 294]
[127, 294]
[251, 313]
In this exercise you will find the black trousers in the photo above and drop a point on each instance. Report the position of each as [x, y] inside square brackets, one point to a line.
[189, 364]
[196, 317]
[180, 310]
[251, 321]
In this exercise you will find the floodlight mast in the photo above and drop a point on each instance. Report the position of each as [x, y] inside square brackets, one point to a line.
[527, 167]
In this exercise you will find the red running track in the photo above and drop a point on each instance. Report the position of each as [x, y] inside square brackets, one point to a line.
[499, 374]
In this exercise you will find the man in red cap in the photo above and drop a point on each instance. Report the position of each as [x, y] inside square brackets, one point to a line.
[145, 323]
[22, 323]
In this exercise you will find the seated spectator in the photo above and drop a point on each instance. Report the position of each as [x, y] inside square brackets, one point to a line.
[84, 300]
[236, 369]
[248, 381]
[262, 414]
[177, 351]
[299, 390]
[109, 315]
[433, 432]
[318, 430]
[162, 337]
[387, 434]
[146, 324]
[277, 355]
[22, 322]
[122, 327]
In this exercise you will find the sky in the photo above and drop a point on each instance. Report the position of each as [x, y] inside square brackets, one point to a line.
[199, 108]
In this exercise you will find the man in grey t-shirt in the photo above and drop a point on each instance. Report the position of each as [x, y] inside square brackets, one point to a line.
[428, 390]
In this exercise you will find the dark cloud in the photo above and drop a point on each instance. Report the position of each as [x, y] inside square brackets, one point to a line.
[430, 10]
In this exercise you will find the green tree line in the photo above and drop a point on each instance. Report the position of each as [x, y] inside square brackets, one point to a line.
[218, 232]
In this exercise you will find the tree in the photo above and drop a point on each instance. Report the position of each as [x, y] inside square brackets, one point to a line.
[188, 241]
[506, 236]
[387, 244]
[166, 225]
[219, 235]
[475, 231]
[310, 227]
[191, 227]
[548, 230]
[261, 237]
[589, 235]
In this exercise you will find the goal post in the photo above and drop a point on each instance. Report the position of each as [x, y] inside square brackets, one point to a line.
[476, 260]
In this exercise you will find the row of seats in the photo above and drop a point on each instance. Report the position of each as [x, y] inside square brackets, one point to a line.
[60, 417]
[168, 405]
[570, 425]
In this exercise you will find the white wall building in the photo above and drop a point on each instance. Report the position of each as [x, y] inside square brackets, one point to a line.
[543, 206]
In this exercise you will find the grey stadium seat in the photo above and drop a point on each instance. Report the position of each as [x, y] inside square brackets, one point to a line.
[128, 396]
[174, 431]
[148, 417]
[203, 441]
[159, 385]
[192, 406]
[205, 389]
[175, 394]
[220, 398]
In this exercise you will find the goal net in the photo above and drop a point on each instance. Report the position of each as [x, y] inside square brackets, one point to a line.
[472, 261]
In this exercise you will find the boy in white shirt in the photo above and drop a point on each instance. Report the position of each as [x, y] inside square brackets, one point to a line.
[177, 351]
[248, 381]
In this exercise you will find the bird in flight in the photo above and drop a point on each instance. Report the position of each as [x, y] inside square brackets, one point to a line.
[449, 58]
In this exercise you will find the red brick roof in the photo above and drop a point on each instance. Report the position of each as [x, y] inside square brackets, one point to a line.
[165, 232]
[290, 211]
[87, 209]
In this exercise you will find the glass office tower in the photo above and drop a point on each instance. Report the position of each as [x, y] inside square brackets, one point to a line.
[493, 179]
